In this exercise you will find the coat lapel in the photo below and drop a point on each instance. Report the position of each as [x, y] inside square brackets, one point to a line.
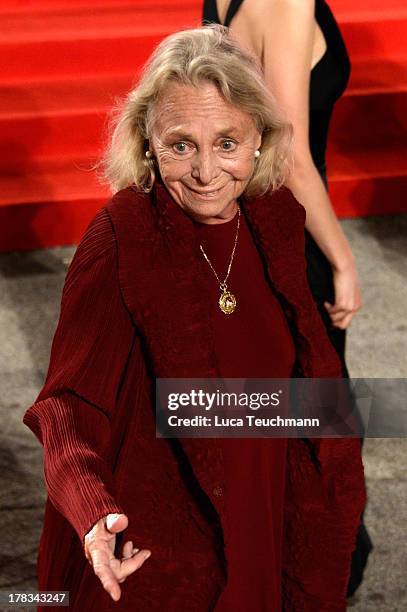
[277, 221]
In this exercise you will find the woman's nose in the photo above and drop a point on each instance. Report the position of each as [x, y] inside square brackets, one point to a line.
[205, 166]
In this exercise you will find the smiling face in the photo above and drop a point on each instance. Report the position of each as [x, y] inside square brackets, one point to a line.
[204, 148]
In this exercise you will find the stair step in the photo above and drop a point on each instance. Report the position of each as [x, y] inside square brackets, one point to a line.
[362, 197]
[63, 96]
[84, 22]
[60, 218]
[73, 178]
[40, 6]
[79, 41]
[77, 58]
[372, 28]
[362, 162]
[60, 117]
[377, 76]
[114, 36]
[377, 120]
[47, 223]
[53, 108]
[368, 10]
[60, 95]
[64, 116]
[70, 175]
[63, 178]
[48, 205]
[375, 39]
[86, 133]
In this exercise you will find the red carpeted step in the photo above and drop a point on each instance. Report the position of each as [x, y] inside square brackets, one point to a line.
[370, 76]
[83, 54]
[61, 117]
[372, 28]
[77, 40]
[368, 150]
[67, 116]
[46, 223]
[77, 58]
[376, 39]
[39, 6]
[355, 196]
[60, 179]
[48, 204]
[367, 10]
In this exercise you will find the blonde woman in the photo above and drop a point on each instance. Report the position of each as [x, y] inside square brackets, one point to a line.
[194, 269]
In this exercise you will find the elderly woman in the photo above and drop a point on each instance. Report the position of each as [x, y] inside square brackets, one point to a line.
[194, 269]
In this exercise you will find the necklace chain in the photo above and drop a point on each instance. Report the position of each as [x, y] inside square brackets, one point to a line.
[223, 285]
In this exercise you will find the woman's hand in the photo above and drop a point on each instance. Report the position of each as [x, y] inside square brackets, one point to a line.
[99, 545]
[348, 299]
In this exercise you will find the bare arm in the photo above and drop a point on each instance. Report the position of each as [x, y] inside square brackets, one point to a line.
[286, 29]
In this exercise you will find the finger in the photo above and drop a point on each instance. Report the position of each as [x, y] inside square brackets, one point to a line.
[127, 550]
[341, 323]
[337, 308]
[342, 312]
[109, 581]
[102, 569]
[345, 312]
[345, 322]
[353, 306]
[128, 566]
[338, 316]
[116, 522]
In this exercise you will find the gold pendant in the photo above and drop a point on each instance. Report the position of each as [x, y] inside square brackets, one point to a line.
[227, 301]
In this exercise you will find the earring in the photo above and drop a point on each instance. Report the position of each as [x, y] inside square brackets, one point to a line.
[257, 153]
[149, 154]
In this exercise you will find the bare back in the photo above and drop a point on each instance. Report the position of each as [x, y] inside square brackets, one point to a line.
[250, 28]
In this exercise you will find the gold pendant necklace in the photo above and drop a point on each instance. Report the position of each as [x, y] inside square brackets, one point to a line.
[227, 301]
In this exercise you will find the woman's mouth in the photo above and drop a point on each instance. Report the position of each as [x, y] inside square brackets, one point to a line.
[206, 194]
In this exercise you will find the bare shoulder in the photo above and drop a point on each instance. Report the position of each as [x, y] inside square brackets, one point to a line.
[262, 15]
[257, 20]
[258, 9]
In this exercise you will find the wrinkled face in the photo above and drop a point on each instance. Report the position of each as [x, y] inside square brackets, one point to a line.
[204, 148]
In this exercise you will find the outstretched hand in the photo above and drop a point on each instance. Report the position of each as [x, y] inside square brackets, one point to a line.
[99, 545]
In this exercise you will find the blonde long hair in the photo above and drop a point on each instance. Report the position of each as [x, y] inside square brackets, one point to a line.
[191, 57]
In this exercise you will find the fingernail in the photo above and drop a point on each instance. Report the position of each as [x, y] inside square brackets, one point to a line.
[135, 550]
[147, 554]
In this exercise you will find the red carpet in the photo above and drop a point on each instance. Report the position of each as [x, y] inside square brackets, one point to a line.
[65, 62]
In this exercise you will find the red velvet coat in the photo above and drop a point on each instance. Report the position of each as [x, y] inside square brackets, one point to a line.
[133, 309]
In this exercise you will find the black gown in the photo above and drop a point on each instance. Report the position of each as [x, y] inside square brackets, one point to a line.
[328, 80]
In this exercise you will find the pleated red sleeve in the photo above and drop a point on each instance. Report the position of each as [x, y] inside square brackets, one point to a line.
[72, 414]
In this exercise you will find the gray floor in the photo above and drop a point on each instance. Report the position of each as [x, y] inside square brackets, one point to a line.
[30, 287]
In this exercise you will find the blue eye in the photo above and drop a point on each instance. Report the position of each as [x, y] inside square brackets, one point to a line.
[228, 145]
[180, 147]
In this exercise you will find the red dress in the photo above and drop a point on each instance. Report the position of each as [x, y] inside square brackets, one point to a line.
[252, 342]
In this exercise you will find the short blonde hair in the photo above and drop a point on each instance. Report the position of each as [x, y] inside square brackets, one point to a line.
[191, 57]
